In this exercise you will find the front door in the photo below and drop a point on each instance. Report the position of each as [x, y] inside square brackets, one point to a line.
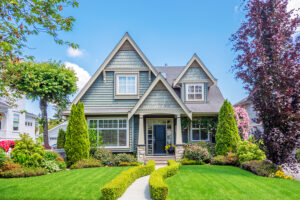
[160, 139]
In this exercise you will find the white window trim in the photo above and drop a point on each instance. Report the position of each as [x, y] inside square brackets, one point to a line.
[126, 75]
[187, 92]
[113, 118]
[191, 134]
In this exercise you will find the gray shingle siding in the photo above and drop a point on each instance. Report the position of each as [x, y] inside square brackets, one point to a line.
[126, 59]
[194, 74]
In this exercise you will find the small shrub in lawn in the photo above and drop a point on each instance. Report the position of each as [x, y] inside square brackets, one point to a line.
[62, 165]
[22, 172]
[208, 145]
[191, 162]
[86, 163]
[51, 155]
[249, 151]
[116, 187]
[51, 166]
[9, 165]
[104, 156]
[124, 157]
[197, 153]
[260, 167]
[158, 189]
[229, 159]
[27, 153]
[2, 156]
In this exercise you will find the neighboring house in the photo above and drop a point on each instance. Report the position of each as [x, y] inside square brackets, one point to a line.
[14, 120]
[247, 104]
[137, 107]
[53, 133]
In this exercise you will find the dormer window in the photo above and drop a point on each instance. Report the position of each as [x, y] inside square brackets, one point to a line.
[127, 84]
[195, 92]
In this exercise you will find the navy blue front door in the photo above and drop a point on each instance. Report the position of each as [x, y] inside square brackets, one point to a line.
[160, 139]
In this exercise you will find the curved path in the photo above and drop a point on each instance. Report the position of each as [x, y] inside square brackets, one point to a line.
[139, 190]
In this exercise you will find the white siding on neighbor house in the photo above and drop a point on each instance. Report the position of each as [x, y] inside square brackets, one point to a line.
[53, 133]
[252, 115]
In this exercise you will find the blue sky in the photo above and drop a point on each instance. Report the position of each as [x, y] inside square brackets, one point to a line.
[166, 31]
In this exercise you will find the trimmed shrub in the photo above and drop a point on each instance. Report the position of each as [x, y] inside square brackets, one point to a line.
[9, 165]
[197, 153]
[51, 155]
[77, 144]
[227, 136]
[51, 166]
[62, 165]
[248, 151]
[192, 162]
[104, 156]
[124, 157]
[219, 160]
[116, 187]
[61, 139]
[158, 189]
[23, 172]
[208, 145]
[27, 153]
[229, 159]
[123, 164]
[2, 156]
[86, 163]
[260, 167]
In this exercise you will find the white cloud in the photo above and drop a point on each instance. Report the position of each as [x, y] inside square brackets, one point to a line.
[74, 52]
[82, 75]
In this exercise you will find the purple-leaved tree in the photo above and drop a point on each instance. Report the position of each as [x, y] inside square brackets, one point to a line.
[268, 62]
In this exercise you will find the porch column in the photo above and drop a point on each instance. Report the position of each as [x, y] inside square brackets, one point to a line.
[141, 131]
[178, 131]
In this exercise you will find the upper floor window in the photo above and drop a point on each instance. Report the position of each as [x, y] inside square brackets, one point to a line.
[126, 84]
[27, 123]
[16, 122]
[195, 92]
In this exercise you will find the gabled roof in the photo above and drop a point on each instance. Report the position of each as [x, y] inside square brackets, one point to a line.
[169, 89]
[198, 60]
[171, 72]
[126, 38]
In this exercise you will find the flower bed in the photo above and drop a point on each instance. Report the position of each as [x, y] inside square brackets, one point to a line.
[116, 187]
[158, 189]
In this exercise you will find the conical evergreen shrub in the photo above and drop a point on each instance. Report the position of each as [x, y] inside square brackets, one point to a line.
[61, 139]
[77, 144]
[227, 136]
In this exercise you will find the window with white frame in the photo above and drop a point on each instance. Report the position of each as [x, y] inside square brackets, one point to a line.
[16, 122]
[199, 131]
[113, 131]
[126, 84]
[195, 92]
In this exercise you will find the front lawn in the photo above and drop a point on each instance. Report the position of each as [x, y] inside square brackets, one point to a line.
[72, 184]
[226, 182]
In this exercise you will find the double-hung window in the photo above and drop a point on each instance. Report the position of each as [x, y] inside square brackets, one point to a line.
[195, 92]
[199, 131]
[126, 84]
[16, 122]
[113, 131]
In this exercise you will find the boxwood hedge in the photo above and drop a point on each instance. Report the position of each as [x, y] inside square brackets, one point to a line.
[158, 189]
[116, 187]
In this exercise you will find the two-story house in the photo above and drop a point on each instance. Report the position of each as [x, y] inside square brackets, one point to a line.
[137, 107]
[14, 120]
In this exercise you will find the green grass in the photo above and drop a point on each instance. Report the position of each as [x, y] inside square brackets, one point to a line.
[72, 184]
[225, 182]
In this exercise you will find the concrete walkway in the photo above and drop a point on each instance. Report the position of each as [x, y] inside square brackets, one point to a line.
[139, 190]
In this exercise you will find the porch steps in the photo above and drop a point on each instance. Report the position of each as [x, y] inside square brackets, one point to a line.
[159, 160]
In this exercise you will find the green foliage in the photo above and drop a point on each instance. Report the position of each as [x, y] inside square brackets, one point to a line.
[2, 156]
[191, 162]
[27, 153]
[260, 167]
[124, 157]
[95, 139]
[86, 163]
[208, 145]
[61, 139]
[104, 156]
[23, 172]
[116, 187]
[248, 151]
[62, 165]
[227, 136]
[51, 166]
[229, 159]
[21, 19]
[197, 153]
[51, 155]
[77, 144]
[123, 164]
[158, 189]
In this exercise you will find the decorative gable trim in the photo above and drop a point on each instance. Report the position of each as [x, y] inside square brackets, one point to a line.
[160, 79]
[126, 43]
[195, 58]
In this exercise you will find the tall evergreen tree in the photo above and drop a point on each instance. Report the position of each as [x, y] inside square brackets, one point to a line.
[227, 136]
[77, 145]
[61, 139]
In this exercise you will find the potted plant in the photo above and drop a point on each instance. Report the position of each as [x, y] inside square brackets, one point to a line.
[170, 149]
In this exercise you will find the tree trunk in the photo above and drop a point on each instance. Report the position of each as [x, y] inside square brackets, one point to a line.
[43, 107]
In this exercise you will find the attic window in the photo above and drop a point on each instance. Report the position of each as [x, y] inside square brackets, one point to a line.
[195, 92]
[126, 84]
